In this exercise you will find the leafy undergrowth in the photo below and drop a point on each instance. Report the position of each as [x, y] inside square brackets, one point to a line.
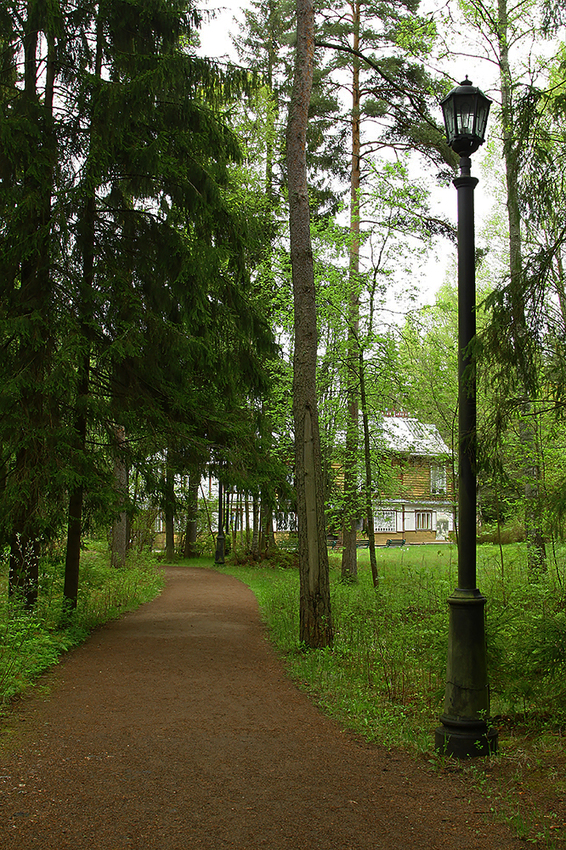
[31, 642]
[384, 675]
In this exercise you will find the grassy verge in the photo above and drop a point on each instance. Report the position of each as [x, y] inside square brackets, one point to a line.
[30, 642]
[384, 676]
[379, 677]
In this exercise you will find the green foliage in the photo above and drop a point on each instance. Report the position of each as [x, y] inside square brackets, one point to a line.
[126, 254]
[30, 642]
[428, 366]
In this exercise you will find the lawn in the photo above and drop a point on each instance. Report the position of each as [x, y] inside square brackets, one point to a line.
[384, 676]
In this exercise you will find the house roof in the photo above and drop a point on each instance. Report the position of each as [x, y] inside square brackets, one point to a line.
[408, 435]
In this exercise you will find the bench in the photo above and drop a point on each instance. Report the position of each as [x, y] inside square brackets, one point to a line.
[288, 544]
[332, 543]
[395, 542]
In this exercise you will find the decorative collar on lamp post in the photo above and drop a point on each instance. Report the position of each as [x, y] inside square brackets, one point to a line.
[465, 111]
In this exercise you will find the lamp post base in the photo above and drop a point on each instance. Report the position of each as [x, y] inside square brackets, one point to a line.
[220, 548]
[464, 732]
[464, 739]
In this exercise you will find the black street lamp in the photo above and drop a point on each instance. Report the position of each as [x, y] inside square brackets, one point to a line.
[464, 731]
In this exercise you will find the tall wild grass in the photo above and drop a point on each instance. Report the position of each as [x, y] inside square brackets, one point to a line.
[385, 674]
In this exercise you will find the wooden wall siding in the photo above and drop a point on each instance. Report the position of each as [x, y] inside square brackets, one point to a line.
[415, 480]
[409, 537]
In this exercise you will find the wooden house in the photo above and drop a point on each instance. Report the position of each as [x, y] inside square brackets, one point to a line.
[419, 504]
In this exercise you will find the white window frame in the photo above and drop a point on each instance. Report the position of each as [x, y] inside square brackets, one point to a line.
[385, 522]
[437, 479]
[423, 520]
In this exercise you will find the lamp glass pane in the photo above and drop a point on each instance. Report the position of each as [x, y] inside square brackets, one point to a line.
[481, 119]
[466, 113]
[448, 112]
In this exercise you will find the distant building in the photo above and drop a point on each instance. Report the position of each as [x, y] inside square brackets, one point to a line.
[419, 505]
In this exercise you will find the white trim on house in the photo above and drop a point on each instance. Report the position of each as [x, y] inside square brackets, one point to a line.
[400, 517]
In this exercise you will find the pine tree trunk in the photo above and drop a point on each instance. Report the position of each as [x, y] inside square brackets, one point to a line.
[349, 552]
[315, 615]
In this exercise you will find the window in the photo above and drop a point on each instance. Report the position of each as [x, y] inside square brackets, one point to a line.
[437, 479]
[385, 521]
[423, 520]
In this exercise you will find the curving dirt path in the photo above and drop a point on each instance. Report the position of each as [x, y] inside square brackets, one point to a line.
[175, 727]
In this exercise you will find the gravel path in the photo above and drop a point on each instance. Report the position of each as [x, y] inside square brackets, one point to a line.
[175, 727]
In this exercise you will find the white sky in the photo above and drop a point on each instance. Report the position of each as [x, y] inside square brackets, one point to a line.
[215, 34]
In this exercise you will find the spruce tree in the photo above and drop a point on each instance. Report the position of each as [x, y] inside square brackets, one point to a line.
[126, 297]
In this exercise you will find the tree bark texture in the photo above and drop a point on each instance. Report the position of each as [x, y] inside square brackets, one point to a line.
[315, 616]
[255, 528]
[120, 526]
[191, 550]
[350, 552]
[169, 510]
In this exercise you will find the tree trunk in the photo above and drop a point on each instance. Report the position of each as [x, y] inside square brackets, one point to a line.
[350, 552]
[169, 510]
[247, 511]
[315, 615]
[192, 510]
[227, 521]
[269, 532]
[368, 476]
[532, 473]
[74, 531]
[255, 528]
[120, 525]
[559, 286]
[261, 532]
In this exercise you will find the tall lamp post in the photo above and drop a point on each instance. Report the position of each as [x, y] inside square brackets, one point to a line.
[464, 731]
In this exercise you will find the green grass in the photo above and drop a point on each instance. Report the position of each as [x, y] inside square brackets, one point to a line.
[31, 642]
[378, 677]
[384, 675]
